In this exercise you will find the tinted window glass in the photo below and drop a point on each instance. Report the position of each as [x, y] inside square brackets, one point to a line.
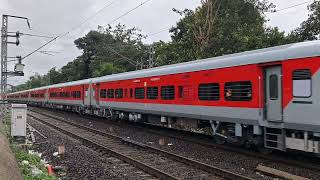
[152, 92]
[273, 86]
[238, 91]
[110, 93]
[167, 92]
[119, 93]
[209, 92]
[139, 93]
[103, 93]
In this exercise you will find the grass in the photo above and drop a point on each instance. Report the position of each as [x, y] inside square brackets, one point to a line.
[23, 155]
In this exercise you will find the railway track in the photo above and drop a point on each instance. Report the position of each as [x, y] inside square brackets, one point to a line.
[205, 140]
[158, 163]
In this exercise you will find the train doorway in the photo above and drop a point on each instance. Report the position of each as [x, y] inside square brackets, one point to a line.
[273, 94]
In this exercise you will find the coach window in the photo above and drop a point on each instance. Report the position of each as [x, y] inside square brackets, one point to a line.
[110, 93]
[302, 83]
[273, 87]
[209, 92]
[139, 93]
[238, 91]
[152, 92]
[119, 93]
[86, 93]
[167, 92]
[103, 93]
[78, 94]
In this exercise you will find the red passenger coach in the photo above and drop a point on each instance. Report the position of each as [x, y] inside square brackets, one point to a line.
[181, 89]
[267, 98]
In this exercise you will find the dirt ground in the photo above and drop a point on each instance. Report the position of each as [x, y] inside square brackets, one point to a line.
[8, 166]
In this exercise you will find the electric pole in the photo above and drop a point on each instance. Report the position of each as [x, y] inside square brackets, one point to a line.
[4, 54]
[4, 49]
[151, 61]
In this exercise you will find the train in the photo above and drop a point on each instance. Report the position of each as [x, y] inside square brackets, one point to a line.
[267, 98]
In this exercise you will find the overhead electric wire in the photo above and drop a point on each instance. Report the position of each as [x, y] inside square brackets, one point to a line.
[72, 29]
[35, 35]
[160, 31]
[289, 7]
[131, 61]
[39, 48]
[87, 19]
[26, 34]
[128, 12]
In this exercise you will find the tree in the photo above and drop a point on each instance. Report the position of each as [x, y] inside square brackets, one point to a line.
[111, 47]
[219, 27]
[309, 29]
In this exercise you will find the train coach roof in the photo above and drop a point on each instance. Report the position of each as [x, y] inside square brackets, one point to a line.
[73, 83]
[279, 53]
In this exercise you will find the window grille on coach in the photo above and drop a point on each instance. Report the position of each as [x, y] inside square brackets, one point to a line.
[167, 92]
[103, 93]
[110, 93]
[78, 94]
[53, 94]
[119, 93]
[139, 93]
[152, 92]
[209, 92]
[238, 91]
[302, 83]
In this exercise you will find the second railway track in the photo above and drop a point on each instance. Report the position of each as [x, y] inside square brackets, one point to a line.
[156, 162]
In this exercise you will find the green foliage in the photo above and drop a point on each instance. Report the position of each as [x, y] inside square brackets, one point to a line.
[22, 155]
[219, 27]
[309, 29]
[105, 51]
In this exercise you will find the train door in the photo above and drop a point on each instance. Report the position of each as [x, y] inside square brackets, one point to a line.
[97, 94]
[273, 94]
[87, 97]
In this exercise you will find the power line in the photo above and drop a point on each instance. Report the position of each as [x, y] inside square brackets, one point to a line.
[289, 7]
[72, 29]
[160, 31]
[87, 19]
[128, 12]
[35, 35]
[40, 48]
[131, 61]
[26, 34]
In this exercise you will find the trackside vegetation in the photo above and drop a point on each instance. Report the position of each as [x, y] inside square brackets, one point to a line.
[26, 161]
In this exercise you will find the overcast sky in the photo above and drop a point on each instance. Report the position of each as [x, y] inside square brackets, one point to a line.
[54, 17]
